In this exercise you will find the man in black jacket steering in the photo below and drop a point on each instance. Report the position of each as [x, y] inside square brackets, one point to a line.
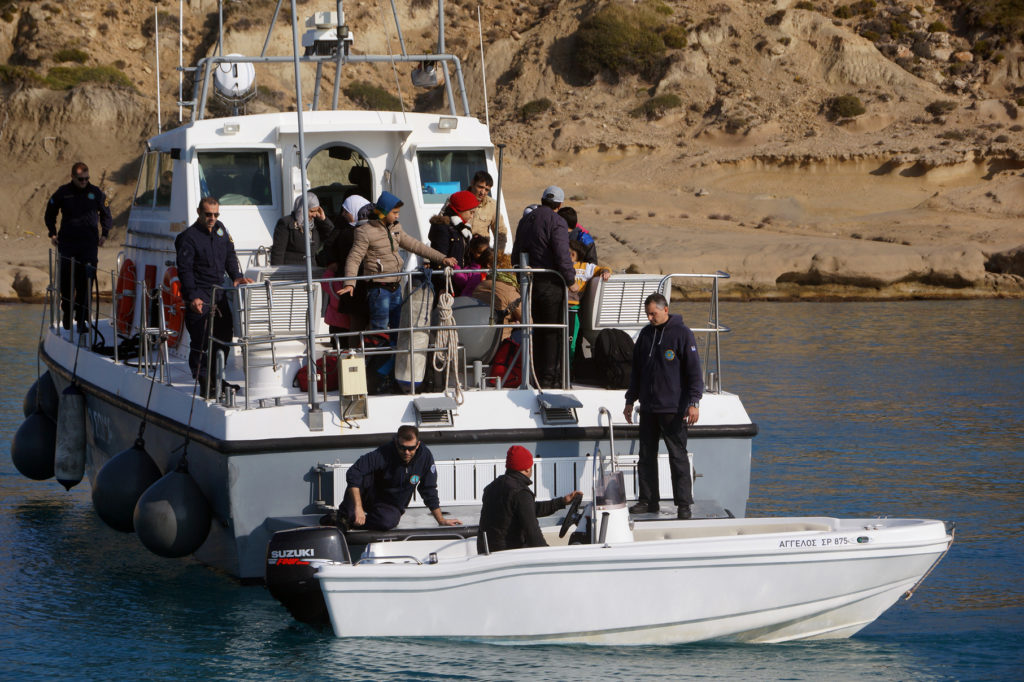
[509, 512]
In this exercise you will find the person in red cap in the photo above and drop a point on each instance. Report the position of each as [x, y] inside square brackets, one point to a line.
[451, 237]
[509, 513]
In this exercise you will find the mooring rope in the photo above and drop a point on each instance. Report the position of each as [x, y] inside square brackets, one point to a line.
[446, 357]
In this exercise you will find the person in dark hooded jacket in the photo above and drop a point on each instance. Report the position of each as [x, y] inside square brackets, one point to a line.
[667, 380]
[508, 515]
[289, 247]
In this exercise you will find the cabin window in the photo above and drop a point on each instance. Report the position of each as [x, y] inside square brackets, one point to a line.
[155, 181]
[444, 172]
[236, 178]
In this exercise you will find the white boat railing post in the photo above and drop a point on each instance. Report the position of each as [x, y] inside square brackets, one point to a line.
[444, 64]
[526, 348]
[50, 293]
[316, 422]
[156, 42]
[497, 219]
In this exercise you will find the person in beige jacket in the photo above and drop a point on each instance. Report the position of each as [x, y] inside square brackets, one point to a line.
[375, 249]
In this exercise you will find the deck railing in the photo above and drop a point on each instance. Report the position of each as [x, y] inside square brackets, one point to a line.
[154, 334]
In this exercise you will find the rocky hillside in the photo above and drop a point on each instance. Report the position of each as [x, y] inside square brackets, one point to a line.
[677, 114]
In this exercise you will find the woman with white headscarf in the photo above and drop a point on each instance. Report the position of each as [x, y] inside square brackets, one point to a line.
[290, 233]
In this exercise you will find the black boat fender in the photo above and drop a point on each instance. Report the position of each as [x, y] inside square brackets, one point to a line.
[41, 396]
[172, 518]
[120, 483]
[33, 446]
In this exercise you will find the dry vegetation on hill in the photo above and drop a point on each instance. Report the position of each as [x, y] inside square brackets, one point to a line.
[811, 148]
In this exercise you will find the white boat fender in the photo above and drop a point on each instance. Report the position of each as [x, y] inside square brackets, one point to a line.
[120, 483]
[416, 311]
[293, 558]
[172, 517]
[33, 446]
[69, 455]
[43, 396]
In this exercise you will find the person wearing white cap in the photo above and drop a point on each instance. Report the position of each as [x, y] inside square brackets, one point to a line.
[543, 237]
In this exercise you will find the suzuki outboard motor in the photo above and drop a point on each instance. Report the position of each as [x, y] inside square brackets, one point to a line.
[293, 557]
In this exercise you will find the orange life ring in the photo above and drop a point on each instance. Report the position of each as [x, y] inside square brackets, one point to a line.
[174, 306]
[126, 296]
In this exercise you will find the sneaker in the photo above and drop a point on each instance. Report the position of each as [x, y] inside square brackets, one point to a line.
[642, 507]
[683, 512]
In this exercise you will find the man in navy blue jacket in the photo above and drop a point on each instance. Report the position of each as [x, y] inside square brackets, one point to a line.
[81, 206]
[543, 235]
[668, 382]
[205, 251]
[381, 483]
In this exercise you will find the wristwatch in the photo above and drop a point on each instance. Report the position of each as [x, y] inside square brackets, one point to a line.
[697, 405]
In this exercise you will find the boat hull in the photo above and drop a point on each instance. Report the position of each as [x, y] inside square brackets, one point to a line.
[259, 477]
[766, 587]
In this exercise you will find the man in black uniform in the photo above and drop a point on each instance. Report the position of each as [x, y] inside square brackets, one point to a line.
[205, 251]
[381, 483]
[509, 512]
[667, 380]
[81, 206]
[542, 234]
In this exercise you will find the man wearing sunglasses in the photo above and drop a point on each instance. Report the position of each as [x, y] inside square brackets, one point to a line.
[82, 206]
[381, 483]
[205, 251]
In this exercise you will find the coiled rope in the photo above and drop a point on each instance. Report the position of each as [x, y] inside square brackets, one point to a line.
[447, 341]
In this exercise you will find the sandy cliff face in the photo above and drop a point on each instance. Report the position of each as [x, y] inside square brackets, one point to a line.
[751, 173]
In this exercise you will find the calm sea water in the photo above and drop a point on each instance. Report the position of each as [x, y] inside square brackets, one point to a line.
[899, 409]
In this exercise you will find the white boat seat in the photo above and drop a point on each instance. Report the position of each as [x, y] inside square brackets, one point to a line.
[642, 533]
[615, 304]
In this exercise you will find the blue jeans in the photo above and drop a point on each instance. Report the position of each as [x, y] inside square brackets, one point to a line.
[385, 307]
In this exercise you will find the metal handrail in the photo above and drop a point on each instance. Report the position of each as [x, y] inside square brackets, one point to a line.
[390, 557]
[712, 380]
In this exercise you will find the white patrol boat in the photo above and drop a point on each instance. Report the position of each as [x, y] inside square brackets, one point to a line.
[218, 477]
[616, 581]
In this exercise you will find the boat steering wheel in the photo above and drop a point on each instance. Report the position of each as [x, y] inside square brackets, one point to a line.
[572, 516]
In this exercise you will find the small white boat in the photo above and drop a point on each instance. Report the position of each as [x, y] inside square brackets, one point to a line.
[638, 582]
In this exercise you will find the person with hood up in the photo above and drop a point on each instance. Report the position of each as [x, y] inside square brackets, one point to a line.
[375, 250]
[289, 246]
[667, 380]
[508, 515]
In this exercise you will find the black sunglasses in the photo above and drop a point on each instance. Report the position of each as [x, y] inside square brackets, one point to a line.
[407, 448]
[82, 178]
[212, 215]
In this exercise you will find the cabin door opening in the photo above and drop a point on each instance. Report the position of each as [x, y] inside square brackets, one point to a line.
[335, 173]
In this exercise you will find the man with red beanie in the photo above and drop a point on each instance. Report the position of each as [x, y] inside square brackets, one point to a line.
[509, 512]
